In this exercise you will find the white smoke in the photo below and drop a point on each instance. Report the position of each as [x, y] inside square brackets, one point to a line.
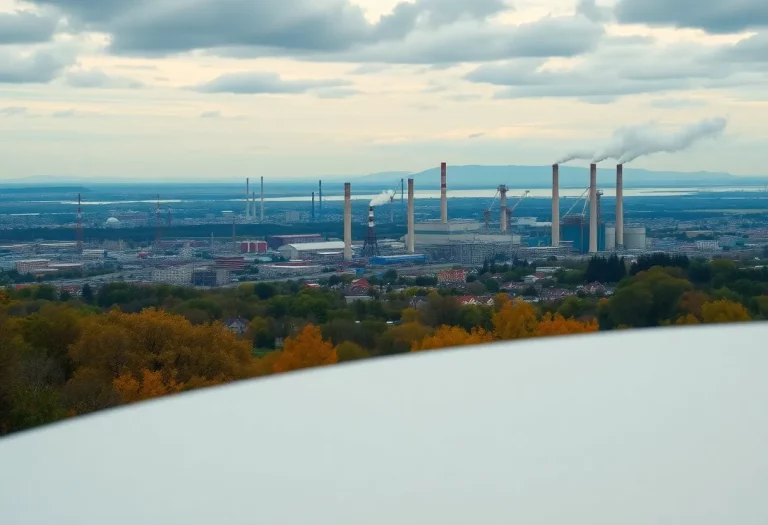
[632, 142]
[382, 199]
[576, 155]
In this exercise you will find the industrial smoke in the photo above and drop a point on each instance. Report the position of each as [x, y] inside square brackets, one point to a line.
[576, 155]
[632, 142]
[384, 198]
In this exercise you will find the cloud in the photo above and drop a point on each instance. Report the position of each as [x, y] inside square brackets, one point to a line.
[464, 97]
[263, 83]
[619, 68]
[96, 78]
[677, 103]
[337, 92]
[210, 114]
[714, 16]
[369, 69]
[171, 26]
[25, 27]
[592, 11]
[13, 111]
[476, 135]
[36, 67]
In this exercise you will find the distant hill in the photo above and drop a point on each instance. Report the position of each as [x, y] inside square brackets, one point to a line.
[467, 177]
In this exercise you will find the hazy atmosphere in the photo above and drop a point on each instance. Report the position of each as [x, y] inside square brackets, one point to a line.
[220, 89]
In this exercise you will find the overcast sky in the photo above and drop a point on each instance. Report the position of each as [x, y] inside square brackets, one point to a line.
[222, 89]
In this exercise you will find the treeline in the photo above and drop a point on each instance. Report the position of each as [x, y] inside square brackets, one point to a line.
[61, 355]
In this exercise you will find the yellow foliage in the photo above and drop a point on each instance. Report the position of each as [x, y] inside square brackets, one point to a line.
[151, 385]
[410, 315]
[306, 350]
[687, 319]
[515, 320]
[448, 336]
[724, 311]
[559, 325]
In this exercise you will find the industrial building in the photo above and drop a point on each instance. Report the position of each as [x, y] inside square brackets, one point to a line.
[388, 260]
[305, 250]
[259, 247]
[276, 241]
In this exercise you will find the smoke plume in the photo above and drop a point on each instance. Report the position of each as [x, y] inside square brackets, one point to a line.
[576, 155]
[632, 142]
[382, 199]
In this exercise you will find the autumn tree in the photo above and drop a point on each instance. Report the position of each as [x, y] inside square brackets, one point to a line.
[724, 311]
[449, 336]
[688, 319]
[306, 350]
[349, 351]
[150, 385]
[558, 325]
[515, 319]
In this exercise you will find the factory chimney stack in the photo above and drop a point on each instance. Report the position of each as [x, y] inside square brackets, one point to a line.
[313, 206]
[619, 206]
[262, 201]
[347, 221]
[371, 246]
[411, 219]
[593, 226]
[320, 201]
[555, 205]
[247, 197]
[443, 193]
[504, 213]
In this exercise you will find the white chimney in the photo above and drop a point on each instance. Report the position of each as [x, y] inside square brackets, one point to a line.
[262, 201]
[555, 205]
[247, 194]
[504, 215]
[411, 219]
[619, 206]
[593, 227]
[443, 193]
[347, 221]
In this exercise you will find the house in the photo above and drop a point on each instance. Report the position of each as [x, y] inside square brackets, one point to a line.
[237, 325]
[531, 279]
[359, 287]
[469, 300]
[595, 289]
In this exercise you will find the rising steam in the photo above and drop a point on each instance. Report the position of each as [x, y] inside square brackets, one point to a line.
[382, 199]
[630, 143]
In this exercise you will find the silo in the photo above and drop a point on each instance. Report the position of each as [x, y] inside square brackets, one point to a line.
[634, 238]
[610, 238]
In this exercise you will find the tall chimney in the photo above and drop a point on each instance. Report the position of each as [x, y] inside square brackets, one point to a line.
[247, 195]
[370, 248]
[503, 222]
[347, 221]
[620, 206]
[262, 200]
[593, 227]
[555, 205]
[313, 206]
[320, 201]
[411, 219]
[443, 193]
[253, 204]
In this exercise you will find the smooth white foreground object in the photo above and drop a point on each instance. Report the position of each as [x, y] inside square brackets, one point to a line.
[659, 427]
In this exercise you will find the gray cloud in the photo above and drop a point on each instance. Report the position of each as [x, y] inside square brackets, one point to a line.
[592, 11]
[623, 67]
[210, 114]
[13, 111]
[263, 83]
[170, 26]
[33, 68]
[677, 103]
[96, 78]
[714, 16]
[476, 135]
[337, 92]
[369, 69]
[24, 27]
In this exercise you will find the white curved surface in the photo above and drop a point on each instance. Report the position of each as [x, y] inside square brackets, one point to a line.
[628, 428]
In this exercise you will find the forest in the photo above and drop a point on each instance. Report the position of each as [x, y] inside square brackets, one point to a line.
[63, 355]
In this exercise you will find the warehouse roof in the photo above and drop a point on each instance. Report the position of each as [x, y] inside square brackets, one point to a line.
[312, 246]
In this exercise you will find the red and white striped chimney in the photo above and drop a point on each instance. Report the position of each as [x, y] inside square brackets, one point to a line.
[443, 193]
[347, 221]
[555, 205]
[619, 206]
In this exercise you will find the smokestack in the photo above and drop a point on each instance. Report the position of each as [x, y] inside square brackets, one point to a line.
[320, 203]
[411, 219]
[555, 205]
[443, 193]
[371, 247]
[253, 204]
[347, 221]
[619, 206]
[503, 192]
[313, 206]
[262, 200]
[247, 195]
[593, 227]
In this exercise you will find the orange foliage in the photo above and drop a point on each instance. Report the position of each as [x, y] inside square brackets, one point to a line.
[306, 350]
[515, 320]
[687, 319]
[724, 312]
[152, 385]
[448, 336]
[559, 325]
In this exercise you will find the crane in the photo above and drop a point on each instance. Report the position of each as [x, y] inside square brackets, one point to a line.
[518, 203]
[502, 190]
